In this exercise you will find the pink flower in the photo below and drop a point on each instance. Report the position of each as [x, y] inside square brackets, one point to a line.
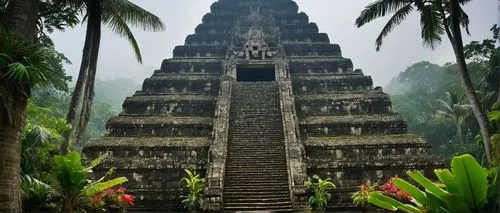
[127, 199]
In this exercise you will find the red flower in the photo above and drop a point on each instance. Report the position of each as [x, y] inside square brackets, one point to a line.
[96, 200]
[393, 191]
[127, 199]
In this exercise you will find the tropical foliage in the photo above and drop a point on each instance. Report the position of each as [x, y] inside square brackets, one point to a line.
[466, 188]
[437, 18]
[321, 191]
[430, 99]
[195, 186]
[72, 184]
[36, 195]
[119, 16]
[360, 197]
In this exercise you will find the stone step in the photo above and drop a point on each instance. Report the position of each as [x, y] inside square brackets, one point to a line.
[259, 170]
[274, 195]
[256, 155]
[264, 139]
[275, 208]
[256, 144]
[249, 158]
[257, 194]
[243, 152]
[279, 163]
[251, 144]
[242, 157]
[243, 189]
[277, 138]
[253, 169]
[254, 158]
[269, 181]
[277, 199]
[281, 176]
[232, 184]
[236, 174]
[260, 203]
[256, 152]
[236, 161]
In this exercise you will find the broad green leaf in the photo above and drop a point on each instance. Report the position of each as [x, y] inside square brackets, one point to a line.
[494, 116]
[388, 203]
[453, 202]
[97, 161]
[383, 201]
[99, 187]
[435, 204]
[410, 209]
[448, 179]
[471, 180]
[412, 190]
[69, 172]
[427, 184]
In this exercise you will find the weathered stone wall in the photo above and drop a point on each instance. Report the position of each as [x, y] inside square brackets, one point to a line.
[343, 104]
[153, 166]
[350, 161]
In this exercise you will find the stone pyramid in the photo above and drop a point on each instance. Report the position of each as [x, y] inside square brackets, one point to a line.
[257, 100]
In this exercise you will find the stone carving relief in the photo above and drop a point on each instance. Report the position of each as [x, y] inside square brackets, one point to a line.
[256, 37]
[256, 47]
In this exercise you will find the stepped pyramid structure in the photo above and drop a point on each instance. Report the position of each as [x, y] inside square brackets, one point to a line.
[257, 100]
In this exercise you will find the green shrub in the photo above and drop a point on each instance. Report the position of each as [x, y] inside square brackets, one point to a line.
[321, 190]
[35, 194]
[360, 198]
[195, 186]
[73, 187]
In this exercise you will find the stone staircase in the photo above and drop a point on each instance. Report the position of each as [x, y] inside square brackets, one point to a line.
[256, 177]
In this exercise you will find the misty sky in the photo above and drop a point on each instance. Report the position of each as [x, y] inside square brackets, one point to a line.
[335, 17]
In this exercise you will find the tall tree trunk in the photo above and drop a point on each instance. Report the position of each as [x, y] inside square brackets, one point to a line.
[95, 27]
[20, 20]
[78, 90]
[12, 119]
[498, 93]
[465, 80]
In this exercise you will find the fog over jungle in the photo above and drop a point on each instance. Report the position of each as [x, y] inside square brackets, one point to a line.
[335, 17]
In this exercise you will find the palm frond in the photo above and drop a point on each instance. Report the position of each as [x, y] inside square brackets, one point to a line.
[133, 15]
[119, 15]
[379, 9]
[464, 20]
[432, 25]
[395, 20]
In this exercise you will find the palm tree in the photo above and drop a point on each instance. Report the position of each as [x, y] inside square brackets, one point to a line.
[119, 15]
[453, 111]
[18, 20]
[437, 17]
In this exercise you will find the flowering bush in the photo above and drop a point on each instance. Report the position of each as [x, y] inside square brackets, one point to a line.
[112, 198]
[360, 198]
[389, 189]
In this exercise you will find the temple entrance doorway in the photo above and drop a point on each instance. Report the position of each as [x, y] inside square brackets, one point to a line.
[252, 73]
